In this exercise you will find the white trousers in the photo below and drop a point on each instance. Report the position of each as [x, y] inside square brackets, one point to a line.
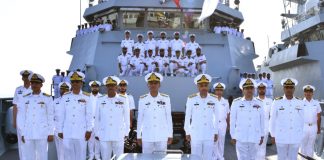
[261, 154]
[35, 149]
[137, 71]
[218, 151]
[59, 148]
[124, 71]
[287, 151]
[150, 147]
[246, 150]
[309, 137]
[93, 147]
[75, 149]
[192, 70]
[150, 68]
[56, 91]
[202, 68]
[109, 147]
[20, 146]
[163, 69]
[203, 149]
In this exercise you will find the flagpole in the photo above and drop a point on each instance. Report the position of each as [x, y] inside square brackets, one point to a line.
[80, 12]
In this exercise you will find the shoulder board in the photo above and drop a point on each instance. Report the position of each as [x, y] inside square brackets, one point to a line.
[85, 93]
[67, 93]
[213, 95]
[236, 99]
[47, 95]
[298, 98]
[164, 95]
[193, 95]
[122, 95]
[278, 98]
[143, 96]
[27, 95]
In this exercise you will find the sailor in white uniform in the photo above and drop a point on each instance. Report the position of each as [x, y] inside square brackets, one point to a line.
[267, 102]
[190, 64]
[149, 62]
[287, 121]
[37, 120]
[163, 43]
[18, 96]
[93, 144]
[128, 42]
[223, 114]
[269, 86]
[150, 43]
[123, 61]
[136, 64]
[163, 62]
[192, 45]
[201, 61]
[64, 88]
[312, 119]
[57, 79]
[140, 44]
[75, 121]
[122, 88]
[112, 119]
[177, 65]
[201, 120]
[247, 122]
[176, 44]
[154, 125]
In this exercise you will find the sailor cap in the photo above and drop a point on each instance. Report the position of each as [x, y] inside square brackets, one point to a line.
[192, 35]
[219, 86]
[309, 88]
[139, 35]
[148, 32]
[36, 78]
[156, 77]
[76, 76]
[94, 83]
[123, 82]
[163, 33]
[247, 83]
[202, 78]
[65, 85]
[176, 33]
[128, 31]
[25, 72]
[289, 82]
[111, 80]
[262, 84]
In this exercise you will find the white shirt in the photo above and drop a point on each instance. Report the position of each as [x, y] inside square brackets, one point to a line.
[141, 46]
[176, 44]
[57, 105]
[131, 101]
[201, 58]
[150, 44]
[93, 101]
[149, 60]
[75, 115]
[154, 118]
[19, 93]
[179, 60]
[188, 61]
[201, 120]
[163, 44]
[247, 120]
[287, 120]
[162, 60]
[136, 61]
[112, 118]
[123, 59]
[192, 46]
[311, 109]
[37, 118]
[129, 43]
[269, 87]
[267, 102]
[57, 79]
[224, 110]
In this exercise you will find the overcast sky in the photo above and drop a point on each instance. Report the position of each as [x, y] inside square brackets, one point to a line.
[36, 34]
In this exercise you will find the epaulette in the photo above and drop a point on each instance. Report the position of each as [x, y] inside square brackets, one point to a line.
[47, 95]
[298, 98]
[236, 99]
[67, 93]
[27, 95]
[122, 95]
[278, 98]
[85, 93]
[164, 95]
[143, 96]
[213, 95]
[193, 95]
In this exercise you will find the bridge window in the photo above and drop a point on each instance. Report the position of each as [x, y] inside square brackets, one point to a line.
[190, 20]
[134, 18]
[170, 19]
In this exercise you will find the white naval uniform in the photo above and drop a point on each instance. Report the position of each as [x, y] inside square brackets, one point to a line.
[75, 119]
[112, 124]
[129, 43]
[36, 124]
[93, 144]
[123, 60]
[176, 45]
[58, 140]
[217, 29]
[18, 96]
[192, 46]
[224, 110]
[286, 126]
[149, 61]
[269, 91]
[201, 123]
[174, 67]
[141, 46]
[247, 126]
[163, 44]
[154, 125]
[267, 102]
[138, 66]
[311, 109]
[150, 44]
[57, 79]
[191, 68]
[161, 62]
[201, 67]
[108, 27]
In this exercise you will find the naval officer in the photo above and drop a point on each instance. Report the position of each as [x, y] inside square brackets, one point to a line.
[154, 125]
[201, 120]
[312, 119]
[64, 88]
[128, 42]
[93, 144]
[112, 119]
[57, 79]
[267, 102]
[247, 122]
[37, 120]
[287, 121]
[75, 121]
[122, 88]
[223, 114]
[123, 62]
[19, 93]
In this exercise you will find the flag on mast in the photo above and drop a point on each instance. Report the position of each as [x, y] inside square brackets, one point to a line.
[208, 9]
[177, 2]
